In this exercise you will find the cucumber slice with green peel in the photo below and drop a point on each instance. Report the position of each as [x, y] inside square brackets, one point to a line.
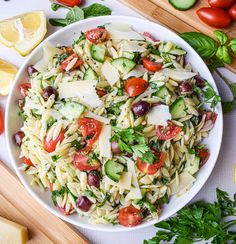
[195, 166]
[113, 170]
[124, 65]
[177, 109]
[162, 92]
[71, 110]
[128, 55]
[182, 4]
[90, 74]
[98, 53]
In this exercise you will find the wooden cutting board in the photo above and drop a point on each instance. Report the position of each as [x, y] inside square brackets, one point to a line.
[179, 21]
[17, 205]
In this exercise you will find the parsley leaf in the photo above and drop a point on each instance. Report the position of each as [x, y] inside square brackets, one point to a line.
[57, 193]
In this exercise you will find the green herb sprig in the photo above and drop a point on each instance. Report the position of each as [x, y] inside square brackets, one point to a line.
[200, 221]
[216, 54]
[76, 13]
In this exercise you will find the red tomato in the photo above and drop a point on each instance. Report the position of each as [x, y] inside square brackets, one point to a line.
[130, 216]
[63, 211]
[81, 160]
[151, 66]
[65, 63]
[96, 35]
[221, 3]
[232, 12]
[203, 154]
[215, 17]
[151, 169]
[1, 121]
[147, 34]
[50, 186]
[21, 103]
[70, 3]
[167, 132]
[101, 92]
[69, 50]
[28, 161]
[90, 128]
[210, 116]
[24, 87]
[50, 146]
[135, 86]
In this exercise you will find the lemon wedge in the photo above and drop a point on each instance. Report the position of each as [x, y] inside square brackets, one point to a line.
[7, 75]
[23, 32]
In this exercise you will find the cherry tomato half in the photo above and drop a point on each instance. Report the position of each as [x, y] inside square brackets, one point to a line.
[221, 3]
[150, 36]
[232, 12]
[24, 88]
[130, 216]
[167, 132]
[50, 146]
[81, 160]
[151, 66]
[70, 3]
[65, 62]
[28, 161]
[215, 17]
[90, 129]
[151, 169]
[210, 116]
[1, 121]
[97, 35]
[135, 86]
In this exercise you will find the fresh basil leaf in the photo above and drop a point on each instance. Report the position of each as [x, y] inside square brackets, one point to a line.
[229, 106]
[204, 45]
[58, 22]
[214, 63]
[232, 45]
[75, 14]
[221, 36]
[96, 9]
[223, 55]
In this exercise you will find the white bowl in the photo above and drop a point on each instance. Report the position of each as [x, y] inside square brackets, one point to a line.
[65, 36]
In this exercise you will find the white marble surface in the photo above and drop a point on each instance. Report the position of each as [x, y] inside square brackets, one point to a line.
[223, 174]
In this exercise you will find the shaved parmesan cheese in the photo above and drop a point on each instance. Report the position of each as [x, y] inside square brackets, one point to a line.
[138, 71]
[124, 183]
[178, 74]
[134, 193]
[85, 90]
[104, 142]
[143, 95]
[122, 32]
[48, 52]
[98, 117]
[186, 180]
[132, 46]
[110, 72]
[159, 115]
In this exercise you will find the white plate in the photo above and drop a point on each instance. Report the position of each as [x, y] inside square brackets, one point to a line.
[65, 36]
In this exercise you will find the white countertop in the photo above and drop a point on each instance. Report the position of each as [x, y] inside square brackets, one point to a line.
[223, 174]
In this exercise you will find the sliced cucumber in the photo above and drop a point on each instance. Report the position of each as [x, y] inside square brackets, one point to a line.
[113, 170]
[128, 55]
[195, 166]
[177, 109]
[124, 65]
[98, 53]
[71, 110]
[90, 74]
[182, 4]
[162, 92]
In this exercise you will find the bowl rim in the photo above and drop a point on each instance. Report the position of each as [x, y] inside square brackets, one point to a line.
[9, 137]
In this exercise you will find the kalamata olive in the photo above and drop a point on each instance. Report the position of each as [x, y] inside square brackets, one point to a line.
[185, 87]
[18, 137]
[94, 178]
[83, 203]
[115, 148]
[49, 91]
[31, 70]
[200, 82]
[140, 108]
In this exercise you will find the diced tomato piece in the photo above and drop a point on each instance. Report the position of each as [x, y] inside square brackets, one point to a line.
[28, 161]
[1, 121]
[203, 154]
[24, 88]
[50, 146]
[50, 186]
[101, 92]
[69, 50]
[151, 66]
[147, 34]
[63, 211]
[167, 132]
[130, 216]
[65, 62]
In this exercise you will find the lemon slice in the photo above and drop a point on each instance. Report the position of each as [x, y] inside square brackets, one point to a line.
[7, 75]
[23, 32]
